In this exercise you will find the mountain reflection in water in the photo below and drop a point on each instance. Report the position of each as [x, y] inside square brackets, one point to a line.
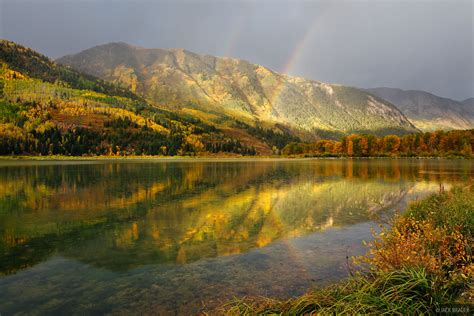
[125, 215]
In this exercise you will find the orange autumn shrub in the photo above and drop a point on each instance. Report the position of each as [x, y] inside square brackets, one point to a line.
[414, 243]
[435, 235]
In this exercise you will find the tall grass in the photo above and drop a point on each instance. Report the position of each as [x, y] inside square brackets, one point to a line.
[423, 262]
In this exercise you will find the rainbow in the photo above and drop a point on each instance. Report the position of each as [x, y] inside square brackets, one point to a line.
[298, 52]
[234, 36]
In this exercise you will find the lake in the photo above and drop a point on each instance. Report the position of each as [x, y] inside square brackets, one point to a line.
[178, 236]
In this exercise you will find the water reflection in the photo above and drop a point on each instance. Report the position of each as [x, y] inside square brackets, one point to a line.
[179, 212]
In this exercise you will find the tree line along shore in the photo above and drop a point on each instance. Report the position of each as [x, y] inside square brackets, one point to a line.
[83, 142]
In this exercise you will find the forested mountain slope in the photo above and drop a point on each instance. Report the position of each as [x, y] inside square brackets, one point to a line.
[46, 108]
[219, 89]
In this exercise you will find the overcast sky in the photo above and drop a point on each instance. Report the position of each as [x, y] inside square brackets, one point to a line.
[425, 45]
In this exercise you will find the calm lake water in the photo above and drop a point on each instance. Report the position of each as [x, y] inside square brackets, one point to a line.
[179, 236]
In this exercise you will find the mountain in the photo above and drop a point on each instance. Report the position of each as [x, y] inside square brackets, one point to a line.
[35, 65]
[222, 90]
[46, 108]
[430, 112]
[469, 103]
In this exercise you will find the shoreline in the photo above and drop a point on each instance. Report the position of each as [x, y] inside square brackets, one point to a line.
[223, 157]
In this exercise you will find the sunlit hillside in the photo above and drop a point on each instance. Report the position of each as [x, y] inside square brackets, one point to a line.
[233, 89]
[50, 109]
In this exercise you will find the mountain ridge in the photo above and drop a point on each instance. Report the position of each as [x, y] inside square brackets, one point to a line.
[239, 90]
[428, 111]
[468, 102]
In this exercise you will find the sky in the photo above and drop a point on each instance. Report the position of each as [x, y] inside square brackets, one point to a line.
[407, 44]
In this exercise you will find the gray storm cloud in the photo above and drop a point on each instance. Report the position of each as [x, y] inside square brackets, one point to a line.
[425, 45]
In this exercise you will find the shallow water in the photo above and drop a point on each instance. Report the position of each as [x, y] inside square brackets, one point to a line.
[179, 236]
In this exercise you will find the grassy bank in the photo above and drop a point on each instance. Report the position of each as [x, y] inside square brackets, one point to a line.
[421, 263]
